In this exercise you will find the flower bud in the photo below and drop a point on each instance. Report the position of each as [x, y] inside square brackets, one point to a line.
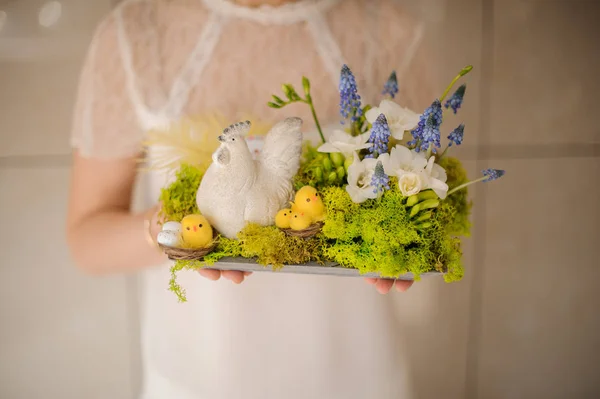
[337, 159]
[424, 217]
[427, 194]
[318, 174]
[289, 91]
[341, 172]
[327, 164]
[412, 200]
[306, 85]
[466, 70]
[424, 225]
[277, 100]
[427, 204]
[331, 178]
[348, 162]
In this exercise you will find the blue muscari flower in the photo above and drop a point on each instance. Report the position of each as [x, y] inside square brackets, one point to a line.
[380, 181]
[456, 100]
[456, 137]
[428, 129]
[493, 174]
[391, 86]
[380, 137]
[349, 98]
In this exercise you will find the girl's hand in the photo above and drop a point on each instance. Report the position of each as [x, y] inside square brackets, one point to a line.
[383, 286]
[231, 275]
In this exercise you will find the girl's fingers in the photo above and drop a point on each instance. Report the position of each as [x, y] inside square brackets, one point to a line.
[235, 276]
[383, 286]
[210, 274]
[403, 285]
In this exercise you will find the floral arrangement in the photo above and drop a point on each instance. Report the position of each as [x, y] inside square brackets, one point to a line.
[395, 200]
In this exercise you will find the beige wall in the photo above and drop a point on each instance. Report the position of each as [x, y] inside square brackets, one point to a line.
[523, 324]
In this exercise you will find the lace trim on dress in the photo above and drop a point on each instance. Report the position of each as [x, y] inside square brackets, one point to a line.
[289, 13]
[191, 73]
[327, 47]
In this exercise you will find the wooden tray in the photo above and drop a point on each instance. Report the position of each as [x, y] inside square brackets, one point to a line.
[331, 269]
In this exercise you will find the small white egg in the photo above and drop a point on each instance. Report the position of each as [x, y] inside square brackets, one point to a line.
[169, 238]
[172, 226]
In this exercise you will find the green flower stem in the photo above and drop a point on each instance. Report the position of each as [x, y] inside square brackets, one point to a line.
[293, 97]
[443, 153]
[462, 73]
[429, 150]
[455, 189]
[314, 114]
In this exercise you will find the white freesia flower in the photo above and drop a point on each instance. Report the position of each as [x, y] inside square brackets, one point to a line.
[414, 172]
[360, 174]
[399, 119]
[345, 143]
[436, 178]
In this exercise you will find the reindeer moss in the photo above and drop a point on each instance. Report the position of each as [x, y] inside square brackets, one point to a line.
[379, 236]
[375, 236]
[271, 246]
[179, 198]
[457, 175]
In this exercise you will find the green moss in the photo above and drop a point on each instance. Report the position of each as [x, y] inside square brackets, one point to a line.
[379, 236]
[271, 246]
[457, 175]
[179, 198]
[376, 236]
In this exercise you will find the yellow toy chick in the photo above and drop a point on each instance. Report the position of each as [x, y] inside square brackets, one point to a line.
[283, 217]
[309, 202]
[300, 221]
[196, 232]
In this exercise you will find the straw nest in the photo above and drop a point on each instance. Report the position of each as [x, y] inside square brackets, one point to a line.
[190, 253]
[309, 232]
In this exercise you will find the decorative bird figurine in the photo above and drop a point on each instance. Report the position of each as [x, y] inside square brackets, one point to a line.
[309, 202]
[236, 189]
[196, 232]
[283, 217]
[300, 221]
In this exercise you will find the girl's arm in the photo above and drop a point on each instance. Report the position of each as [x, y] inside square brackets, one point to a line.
[103, 234]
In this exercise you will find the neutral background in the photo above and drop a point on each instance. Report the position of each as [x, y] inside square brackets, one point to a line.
[524, 323]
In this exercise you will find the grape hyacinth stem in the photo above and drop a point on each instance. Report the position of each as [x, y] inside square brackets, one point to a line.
[489, 175]
[462, 73]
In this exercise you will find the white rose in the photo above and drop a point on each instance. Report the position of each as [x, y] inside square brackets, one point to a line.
[410, 184]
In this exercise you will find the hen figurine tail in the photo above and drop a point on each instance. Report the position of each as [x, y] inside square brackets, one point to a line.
[282, 148]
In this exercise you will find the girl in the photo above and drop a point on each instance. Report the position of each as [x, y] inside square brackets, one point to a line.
[155, 61]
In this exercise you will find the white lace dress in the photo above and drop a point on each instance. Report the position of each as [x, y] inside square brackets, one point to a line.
[275, 336]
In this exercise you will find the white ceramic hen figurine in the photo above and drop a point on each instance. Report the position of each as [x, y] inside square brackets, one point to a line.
[236, 189]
